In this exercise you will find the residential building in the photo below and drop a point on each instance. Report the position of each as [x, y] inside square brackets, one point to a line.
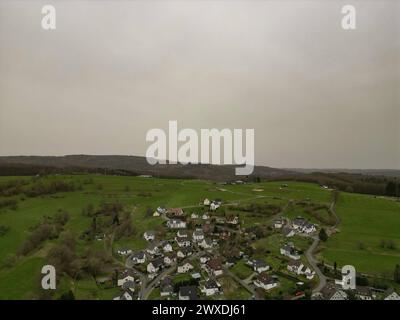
[138, 258]
[211, 287]
[260, 266]
[214, 266]
[289, 251]
[188, 293]
[149, 235]
[176, 224]
[155, 265]
[266, 282]
[186, 267]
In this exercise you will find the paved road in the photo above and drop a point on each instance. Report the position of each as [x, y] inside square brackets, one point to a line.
[313, 262]
[143, 278]
[145, 292]
[240, 281]
[309, 253]
[148, 288]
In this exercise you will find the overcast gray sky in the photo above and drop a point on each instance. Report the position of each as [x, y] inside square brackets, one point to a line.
[317, 96]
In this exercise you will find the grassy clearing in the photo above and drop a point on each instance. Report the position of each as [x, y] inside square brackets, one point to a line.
[365, 222]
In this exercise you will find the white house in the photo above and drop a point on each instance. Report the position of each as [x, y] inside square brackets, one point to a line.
[295, 266]
[185, 268]
[182, 242]
[182, 233]
[363, 293]
[392, 295]
[206, 202]
[214, 206]
[198, 235]
[155, 265]
[205, 216]
[288, 232]
[149, 235]
[214, 267]
[176, 224]
[260, 266]
[278, 224]
[138, 258]
[153, 249]
[302, 225]
[232, 219]
[204, 258]
[298, 223]
[127, 275]
[289, 251]
[184, 252]
[265, 281]
[211, 287]
[125, 296]
[194, 216]
[332, 292]
[206, 243]
[308, 228]
[167, 247]
[124, 251]
[169, 259]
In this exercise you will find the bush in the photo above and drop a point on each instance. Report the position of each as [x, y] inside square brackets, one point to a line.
[322, 235]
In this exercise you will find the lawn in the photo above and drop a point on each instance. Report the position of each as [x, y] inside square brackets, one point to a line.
[365, 222]
[242, 270]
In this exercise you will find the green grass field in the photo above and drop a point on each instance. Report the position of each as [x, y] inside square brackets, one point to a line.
[365, 220]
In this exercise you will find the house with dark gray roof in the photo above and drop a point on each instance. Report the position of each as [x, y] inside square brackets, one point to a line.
[188, 293]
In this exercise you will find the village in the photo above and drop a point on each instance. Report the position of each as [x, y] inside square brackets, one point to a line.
[197, 255]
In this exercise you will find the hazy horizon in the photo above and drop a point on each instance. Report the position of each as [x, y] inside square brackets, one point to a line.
[318, 97]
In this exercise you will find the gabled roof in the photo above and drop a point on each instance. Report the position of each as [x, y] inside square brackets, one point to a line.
[182, 233]
[182, 239]
[295, 263]
[299, 221]
[175, 221]
[214, 264]
[128, 285]
[198, 233]
[127, 273]
[266, 279]
[188, 291]
[211, 284]
[176, 211]
[363, 290]
[158, 262]
[208, 241]
[166, 280]
[330, 290]
[152, 246]
[165, 243]
[286, 230]
[259, 264]
[139, 255]
[186, 250]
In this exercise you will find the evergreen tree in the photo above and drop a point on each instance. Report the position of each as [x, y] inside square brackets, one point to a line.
[322, 235]
[396, 277]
